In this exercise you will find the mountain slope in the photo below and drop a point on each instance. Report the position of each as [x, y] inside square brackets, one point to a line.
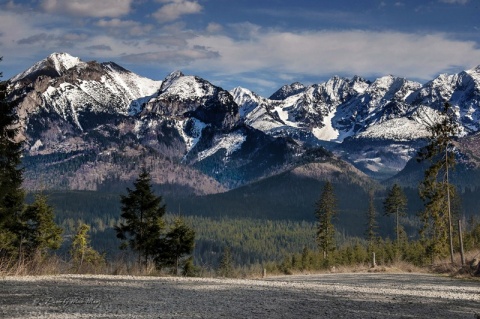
[291, 195]
[91, 126]
[81, 129]
[378, 126]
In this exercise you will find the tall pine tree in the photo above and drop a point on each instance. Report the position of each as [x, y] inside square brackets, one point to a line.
[395, 204]
[436, 189]
[142, 214]
[325, 212]
[11, 176]
[372, 226]
[225, 268]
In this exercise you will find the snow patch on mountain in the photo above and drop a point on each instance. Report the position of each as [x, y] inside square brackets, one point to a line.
[170, 79]
[191, 131]
[284, 113]
[397, 129]
[229, 142]
[64, 61]
[327, 132]
[261, 119]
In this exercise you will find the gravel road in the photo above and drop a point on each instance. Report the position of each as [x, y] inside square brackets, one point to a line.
[359, 295]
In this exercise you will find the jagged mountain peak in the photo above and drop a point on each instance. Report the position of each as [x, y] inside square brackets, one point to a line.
[56, 64]
[114, 67]
[63, 61]
[80, 92]
[187, 96]
[337, 89]
[474, 72]
[287, 91]
[247, 100]
[389, 82]
[240, 90]
[187, 87]
[383, 82]
[461, 89]
[170, 79]
[387, 88]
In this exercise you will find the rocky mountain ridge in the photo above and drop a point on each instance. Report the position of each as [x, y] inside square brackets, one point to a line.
[376, 125]
[90, 125]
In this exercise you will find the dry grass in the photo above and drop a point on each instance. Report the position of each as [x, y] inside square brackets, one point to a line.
[396, 267]
[36, 266]
[53, 265]
[444, 265]
[122, 267]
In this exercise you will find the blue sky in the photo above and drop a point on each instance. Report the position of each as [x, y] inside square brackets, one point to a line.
[260, 44]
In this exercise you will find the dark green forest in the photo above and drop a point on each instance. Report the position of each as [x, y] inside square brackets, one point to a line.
[259, 223]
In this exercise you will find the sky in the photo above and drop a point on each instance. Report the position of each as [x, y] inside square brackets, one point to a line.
[257, 44]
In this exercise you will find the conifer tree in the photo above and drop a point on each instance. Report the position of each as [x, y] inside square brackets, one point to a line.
[372, 225]
[225, 268]
[436, 189]
[189, 269]
[143, 223]
[11, 193]
[81, 251]
[395, 204]
[178, 243]
[305, 258]
[325, 212]
[38, 232]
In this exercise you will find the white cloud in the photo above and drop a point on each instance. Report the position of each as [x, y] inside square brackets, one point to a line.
[116, 23]
[122, 28]
[365, 53]
[236, 51]
[88, 8]
[174, 9]
[214, 27]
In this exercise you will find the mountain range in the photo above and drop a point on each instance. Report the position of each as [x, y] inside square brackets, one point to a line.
[91, 126]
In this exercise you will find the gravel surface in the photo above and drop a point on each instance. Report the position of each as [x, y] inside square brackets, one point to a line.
[360, 295]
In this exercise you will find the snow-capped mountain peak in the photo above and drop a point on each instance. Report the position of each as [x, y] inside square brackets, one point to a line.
[357, 118]
[287, 90]
[186, 86]
[63, 61]
[57, 63]
[246, 99]
[170, 79]
[78, 92]
[475, 74]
